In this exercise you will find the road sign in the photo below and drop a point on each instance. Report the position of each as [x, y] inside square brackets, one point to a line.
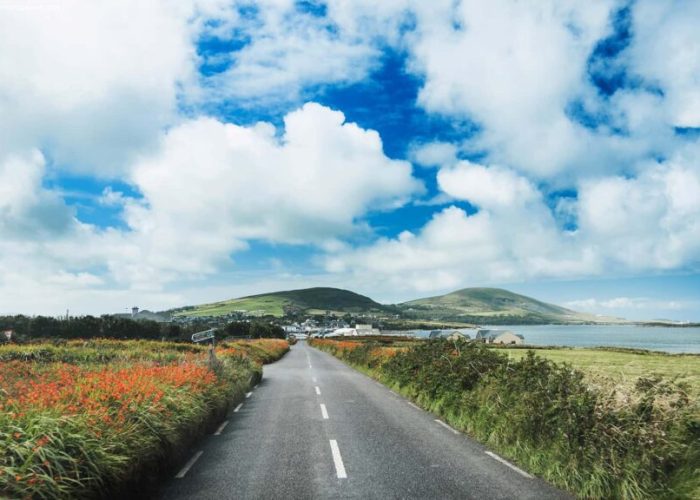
[202, 336]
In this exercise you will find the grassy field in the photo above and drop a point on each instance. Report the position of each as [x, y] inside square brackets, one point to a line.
[87, 418]
[624, 368]
[261, 306]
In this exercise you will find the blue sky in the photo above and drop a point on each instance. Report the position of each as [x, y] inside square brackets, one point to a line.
[175, 156]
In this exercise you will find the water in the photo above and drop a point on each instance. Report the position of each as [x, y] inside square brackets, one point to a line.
[674, 340]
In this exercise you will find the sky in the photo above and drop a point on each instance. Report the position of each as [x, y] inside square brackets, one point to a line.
[164, 153]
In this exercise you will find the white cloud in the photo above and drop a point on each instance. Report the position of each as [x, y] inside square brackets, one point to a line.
[617, 303]
[666, 51]
[435, 154]
[649, 222]
[288, 51]
[492, 187]
[213, 186]
[94, 82]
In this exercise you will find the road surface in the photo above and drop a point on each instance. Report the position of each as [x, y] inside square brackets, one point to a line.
[315, 428]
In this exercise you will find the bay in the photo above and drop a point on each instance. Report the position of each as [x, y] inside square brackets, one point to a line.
[654, 338]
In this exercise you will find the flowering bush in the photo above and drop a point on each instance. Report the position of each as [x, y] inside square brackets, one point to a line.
[79, 418]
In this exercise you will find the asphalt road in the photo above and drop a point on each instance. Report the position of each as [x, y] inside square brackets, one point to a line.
[314, 428]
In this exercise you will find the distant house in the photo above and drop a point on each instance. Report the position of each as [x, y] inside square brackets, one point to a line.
[366, 330]
[457, 335]
[453, 335]
[499, 337]
[343, 332]
[7, 335]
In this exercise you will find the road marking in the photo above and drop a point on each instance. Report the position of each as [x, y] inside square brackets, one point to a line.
[318, 391]
[221, 428]
[238, 408]
[324, 412]
[247, 394]
[189, 465]
[508, 464]
[413, 405]
[309, 365]
[338, 460]
[446, 426]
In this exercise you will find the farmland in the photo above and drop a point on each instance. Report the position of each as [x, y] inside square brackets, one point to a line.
[82, 418]
[596, 430]
[623, 367]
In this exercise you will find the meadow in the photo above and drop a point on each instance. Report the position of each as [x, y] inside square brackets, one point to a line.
[605, 427]
[98, 418]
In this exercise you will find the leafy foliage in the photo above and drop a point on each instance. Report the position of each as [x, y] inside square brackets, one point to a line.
[546, 415]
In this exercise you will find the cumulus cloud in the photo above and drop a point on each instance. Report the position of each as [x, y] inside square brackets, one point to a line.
[666, 51]
[493, 187]
[286, 50]
[95, 82]
[212, 187]
[643, 223]
[435, 154]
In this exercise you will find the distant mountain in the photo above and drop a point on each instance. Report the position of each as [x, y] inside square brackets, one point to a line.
[481, 306]
[492, 306]
[307, 300]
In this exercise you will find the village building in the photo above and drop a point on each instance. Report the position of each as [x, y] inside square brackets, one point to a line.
[499, 337]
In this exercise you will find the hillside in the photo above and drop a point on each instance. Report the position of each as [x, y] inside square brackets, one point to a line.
[307, 300]
[491, 306]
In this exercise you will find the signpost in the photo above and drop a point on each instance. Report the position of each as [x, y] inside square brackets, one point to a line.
[205, 335]
[208, 335]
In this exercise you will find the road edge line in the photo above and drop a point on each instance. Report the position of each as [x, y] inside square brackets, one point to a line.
[508, 464]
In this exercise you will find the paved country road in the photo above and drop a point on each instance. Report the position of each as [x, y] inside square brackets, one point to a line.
[315, 428]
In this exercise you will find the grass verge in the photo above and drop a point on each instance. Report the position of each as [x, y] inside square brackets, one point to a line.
[548, 417]
[93, 418]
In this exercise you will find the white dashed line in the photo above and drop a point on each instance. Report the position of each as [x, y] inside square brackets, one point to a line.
[318, 390]
[238, 408]
[324, 412]
[446, 426]
[189, 465]
[221, 428]
[247, 394]
[508, 464]
[414, 405]
[338, 460]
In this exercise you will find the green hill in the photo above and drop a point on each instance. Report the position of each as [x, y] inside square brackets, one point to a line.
[491, 305]
[307, 300]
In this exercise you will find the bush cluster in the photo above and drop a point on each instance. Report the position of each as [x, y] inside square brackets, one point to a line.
[547, 417]
[84, 418]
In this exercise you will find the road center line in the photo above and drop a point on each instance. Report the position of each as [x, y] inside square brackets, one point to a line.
[238, 408]
[338, 460]
[188, 465]
[247, 394]
[508, 464]
[318, 390]
[324, 412]
[446, 426]
[221, 428]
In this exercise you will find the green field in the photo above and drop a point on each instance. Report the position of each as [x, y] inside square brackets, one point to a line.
[624, 368]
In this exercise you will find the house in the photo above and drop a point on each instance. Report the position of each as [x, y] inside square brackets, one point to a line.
[366, 330]
[342, 332]
[499, 337]
[7, 335]
[457, 335]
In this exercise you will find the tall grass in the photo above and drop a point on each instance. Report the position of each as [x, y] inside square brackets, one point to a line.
[588, 439]
[84, 418]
